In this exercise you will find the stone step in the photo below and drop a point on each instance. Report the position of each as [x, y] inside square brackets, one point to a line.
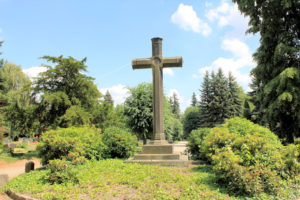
[158, 149]
[156, 157]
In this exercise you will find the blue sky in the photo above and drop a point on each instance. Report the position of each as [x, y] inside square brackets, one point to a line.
[207, 34]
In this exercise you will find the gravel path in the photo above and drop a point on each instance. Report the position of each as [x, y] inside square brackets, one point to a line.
[14, 169]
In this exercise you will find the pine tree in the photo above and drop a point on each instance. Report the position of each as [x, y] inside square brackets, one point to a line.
[247, 112]
[175, 107]
[108, 98]
[234, 99]
[194, 100]
[205, 102]
[220, 103]
[277, 74]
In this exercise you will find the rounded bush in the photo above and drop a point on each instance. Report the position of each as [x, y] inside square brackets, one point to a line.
[195, 140]
[247, 158]
[119, 143]
[72, 144]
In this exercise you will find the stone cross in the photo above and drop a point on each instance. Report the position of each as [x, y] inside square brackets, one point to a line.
[157, 63]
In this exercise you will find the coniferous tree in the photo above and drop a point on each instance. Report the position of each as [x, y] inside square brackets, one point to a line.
[247, 112]
[194, 100]
[175, 107]
[220, 104]
[205, 102]
[234, 99]
[276, 78]
[108, 98]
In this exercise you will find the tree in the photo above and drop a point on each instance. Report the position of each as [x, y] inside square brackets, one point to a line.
[18, 84]
[139, 112]
[194, 100]
[234, 99]
[276, 78]
[205, 102]
[247, 111]
[108, 98]
[191, 120]
[62, 87]
[175, 107]
[220, 99]
[3, 91]
[138, 109]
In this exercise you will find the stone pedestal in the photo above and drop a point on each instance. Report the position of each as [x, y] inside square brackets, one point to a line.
[159, 154]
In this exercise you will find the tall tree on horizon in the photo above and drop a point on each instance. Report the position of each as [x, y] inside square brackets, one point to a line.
[108, 98]
[234, 99]
[175, 106]
[194, 100]
[276, 78]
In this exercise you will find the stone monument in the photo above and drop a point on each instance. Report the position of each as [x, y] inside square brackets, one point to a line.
[158, 151]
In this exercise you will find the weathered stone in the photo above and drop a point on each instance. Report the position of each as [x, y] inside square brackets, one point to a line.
[3, 179]
[158, 151]
[157, 63]
[29, 166]
[156, 157]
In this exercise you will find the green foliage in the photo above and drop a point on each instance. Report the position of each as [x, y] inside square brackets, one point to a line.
[194, 100]
[191, 120]
[67, 94]
[276, 78]
[75, 116]
[248, 158]
[61, 172]
[173, 128]
[220, 99]
[195, 143]
[174, 105]
[72, 144]
[108, 98]
[119, 143]
[138, 109]
[105, 115]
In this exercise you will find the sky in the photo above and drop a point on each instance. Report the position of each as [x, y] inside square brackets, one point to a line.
[207, 34]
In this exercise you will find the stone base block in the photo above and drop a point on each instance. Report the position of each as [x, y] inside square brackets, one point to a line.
[157, 149]
[156, 157]
[176, 163]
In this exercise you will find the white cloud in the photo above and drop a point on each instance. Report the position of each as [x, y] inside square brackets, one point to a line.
[168, 71]
[33, 72]
[229, 15]
[187, 19]
[118, 92]
[242, 58]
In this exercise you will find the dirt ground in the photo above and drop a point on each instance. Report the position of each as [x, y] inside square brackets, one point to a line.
[14, 169]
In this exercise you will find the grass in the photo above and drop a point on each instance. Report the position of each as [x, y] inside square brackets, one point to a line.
[113, 179]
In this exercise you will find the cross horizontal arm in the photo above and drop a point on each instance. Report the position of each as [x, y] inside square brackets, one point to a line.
[172, 61]
[143, 63]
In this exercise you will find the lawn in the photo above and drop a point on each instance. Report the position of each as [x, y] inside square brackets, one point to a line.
[113, 179]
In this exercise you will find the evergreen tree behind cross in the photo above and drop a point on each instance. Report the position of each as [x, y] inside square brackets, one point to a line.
[157, 63]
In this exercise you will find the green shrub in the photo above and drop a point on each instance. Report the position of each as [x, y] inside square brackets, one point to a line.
[72, 144]
[247, 158]
[195, 139]
[119, 143]
[61, 171]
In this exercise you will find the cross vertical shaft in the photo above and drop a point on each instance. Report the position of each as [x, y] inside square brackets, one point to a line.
[157, 63]
[157, 82]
